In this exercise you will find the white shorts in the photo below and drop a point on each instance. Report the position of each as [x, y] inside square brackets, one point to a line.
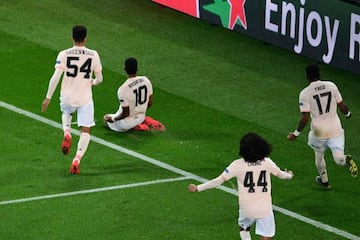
[85, 114]
[124, 125]
[264, 226]
[336, 144]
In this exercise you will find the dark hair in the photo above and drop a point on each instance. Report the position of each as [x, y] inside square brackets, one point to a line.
[254, 148]
[79, 33]
[131, 65]
[312, 72]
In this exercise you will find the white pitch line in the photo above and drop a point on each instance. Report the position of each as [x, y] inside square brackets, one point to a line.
[153, 161]
[58, 195]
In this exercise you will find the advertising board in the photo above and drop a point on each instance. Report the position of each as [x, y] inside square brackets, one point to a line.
[327, 31]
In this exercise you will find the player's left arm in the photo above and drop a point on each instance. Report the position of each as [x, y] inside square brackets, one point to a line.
[301, 125]
[208, 185]
[54, 81]
[124, 113]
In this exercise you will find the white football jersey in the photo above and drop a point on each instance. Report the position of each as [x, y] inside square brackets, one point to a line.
[254, 185]
[78, 64]
[320, 98]
[134, 93]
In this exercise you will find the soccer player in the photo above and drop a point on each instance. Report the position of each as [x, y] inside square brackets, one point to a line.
[135, 97]
[253, 172]
[319, 100]
[77, 66]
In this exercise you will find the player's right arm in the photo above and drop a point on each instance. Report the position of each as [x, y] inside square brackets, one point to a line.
[276, 171]
[150, 101]
[344, 109]
[287, 174]
[98, 79]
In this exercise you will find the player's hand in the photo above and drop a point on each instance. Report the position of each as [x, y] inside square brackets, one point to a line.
[290, 172]
[45, 104]
[108, 118]
[291, 137]
[348, 115]
[192, 188]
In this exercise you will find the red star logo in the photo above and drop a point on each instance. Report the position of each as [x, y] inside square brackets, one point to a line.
[237, 12]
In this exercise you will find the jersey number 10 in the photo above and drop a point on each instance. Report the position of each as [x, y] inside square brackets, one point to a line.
[140, 95]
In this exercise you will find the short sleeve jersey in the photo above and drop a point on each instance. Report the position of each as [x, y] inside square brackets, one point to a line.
[320, 98]
[78, 64]
[134, 93]
[254, 185]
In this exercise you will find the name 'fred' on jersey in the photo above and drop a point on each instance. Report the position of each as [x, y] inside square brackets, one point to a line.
[320, 98]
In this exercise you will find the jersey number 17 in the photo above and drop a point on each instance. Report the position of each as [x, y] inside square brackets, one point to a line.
[318, 102]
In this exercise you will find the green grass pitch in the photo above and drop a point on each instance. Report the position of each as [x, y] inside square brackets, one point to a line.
[211, 86]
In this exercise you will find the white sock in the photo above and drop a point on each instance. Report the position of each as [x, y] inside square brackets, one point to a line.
[66, 122]
[321, 166]
[340, 158]
[82, 145]
[245, 235]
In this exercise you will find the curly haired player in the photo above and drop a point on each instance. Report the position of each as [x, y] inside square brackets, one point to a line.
[253, 172]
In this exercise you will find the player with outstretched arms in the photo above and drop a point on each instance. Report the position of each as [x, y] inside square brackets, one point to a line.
[253, 171]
